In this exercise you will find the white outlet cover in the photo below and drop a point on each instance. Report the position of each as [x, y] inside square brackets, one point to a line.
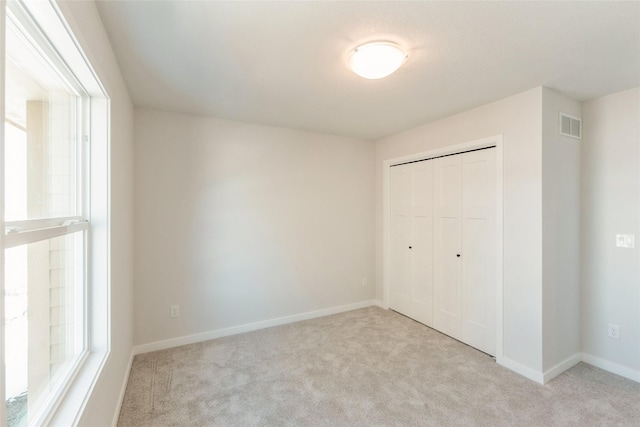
[175, 310]
[625, 241]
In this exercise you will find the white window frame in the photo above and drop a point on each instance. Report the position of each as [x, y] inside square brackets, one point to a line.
[55, 33]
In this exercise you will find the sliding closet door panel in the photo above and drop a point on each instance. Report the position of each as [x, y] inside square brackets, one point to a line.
[449, 186]
[422, 253]
[479, 250]
[447, 248]
[412, 240]
[422, 243]
[474, 276]
[450, 275]
[401, 182]
[401, 271]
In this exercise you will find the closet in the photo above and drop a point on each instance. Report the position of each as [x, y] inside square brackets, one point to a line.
[443, 245]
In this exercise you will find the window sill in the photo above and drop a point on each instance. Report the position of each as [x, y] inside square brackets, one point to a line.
[72, 405]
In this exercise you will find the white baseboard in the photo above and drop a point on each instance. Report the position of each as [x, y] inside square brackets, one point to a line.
[219, 333]
[561, 367]
[612, 367]
[543, 378]
[525, 371]
[123, 389]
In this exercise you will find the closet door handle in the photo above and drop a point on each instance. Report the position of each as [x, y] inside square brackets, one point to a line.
[409, 247]
[458, 255]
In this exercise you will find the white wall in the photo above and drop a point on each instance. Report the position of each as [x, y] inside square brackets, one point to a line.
[239, 223]
[560, 233]
[86, 24]
[519, 120]
[610, 206]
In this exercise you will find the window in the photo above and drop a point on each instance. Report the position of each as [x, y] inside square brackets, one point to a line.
[55, 219]
[45, 227]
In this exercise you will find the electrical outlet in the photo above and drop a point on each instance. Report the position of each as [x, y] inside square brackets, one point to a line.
[364, 282]
[614, 331]
[175, 310]
[626, 241]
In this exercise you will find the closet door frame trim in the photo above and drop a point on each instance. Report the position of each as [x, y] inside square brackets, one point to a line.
[491, 141]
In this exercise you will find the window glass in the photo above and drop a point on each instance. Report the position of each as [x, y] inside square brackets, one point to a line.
[40, 147]
[43, 321]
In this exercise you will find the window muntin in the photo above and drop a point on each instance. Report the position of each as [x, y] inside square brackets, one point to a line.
[46, 238]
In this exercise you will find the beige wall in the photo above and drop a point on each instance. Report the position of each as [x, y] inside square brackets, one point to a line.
[87, 26]
[239, 223]
[560, 233]
[610, 206]
[518, 119]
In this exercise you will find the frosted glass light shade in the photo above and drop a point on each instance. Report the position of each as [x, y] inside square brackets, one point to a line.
[376, 60]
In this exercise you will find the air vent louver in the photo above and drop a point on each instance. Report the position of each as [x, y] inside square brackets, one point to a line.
[570, 126]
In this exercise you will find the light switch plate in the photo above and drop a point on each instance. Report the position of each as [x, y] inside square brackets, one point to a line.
[625, 241]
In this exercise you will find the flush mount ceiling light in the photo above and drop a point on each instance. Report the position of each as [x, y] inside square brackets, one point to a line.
[376, 60]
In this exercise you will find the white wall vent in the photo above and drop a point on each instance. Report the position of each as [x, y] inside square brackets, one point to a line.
[570, 126]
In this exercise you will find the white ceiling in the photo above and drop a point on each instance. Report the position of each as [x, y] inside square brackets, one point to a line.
[283, 63]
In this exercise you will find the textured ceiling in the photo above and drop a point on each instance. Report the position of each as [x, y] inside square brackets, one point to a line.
[283, 63]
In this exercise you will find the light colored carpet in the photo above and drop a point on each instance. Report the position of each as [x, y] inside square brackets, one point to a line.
[368, 367]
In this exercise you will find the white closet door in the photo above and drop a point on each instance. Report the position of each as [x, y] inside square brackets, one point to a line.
[412, 240]
[422, 243]
[401, 183]
[465, 248]
[479, 250]
[447, 247]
